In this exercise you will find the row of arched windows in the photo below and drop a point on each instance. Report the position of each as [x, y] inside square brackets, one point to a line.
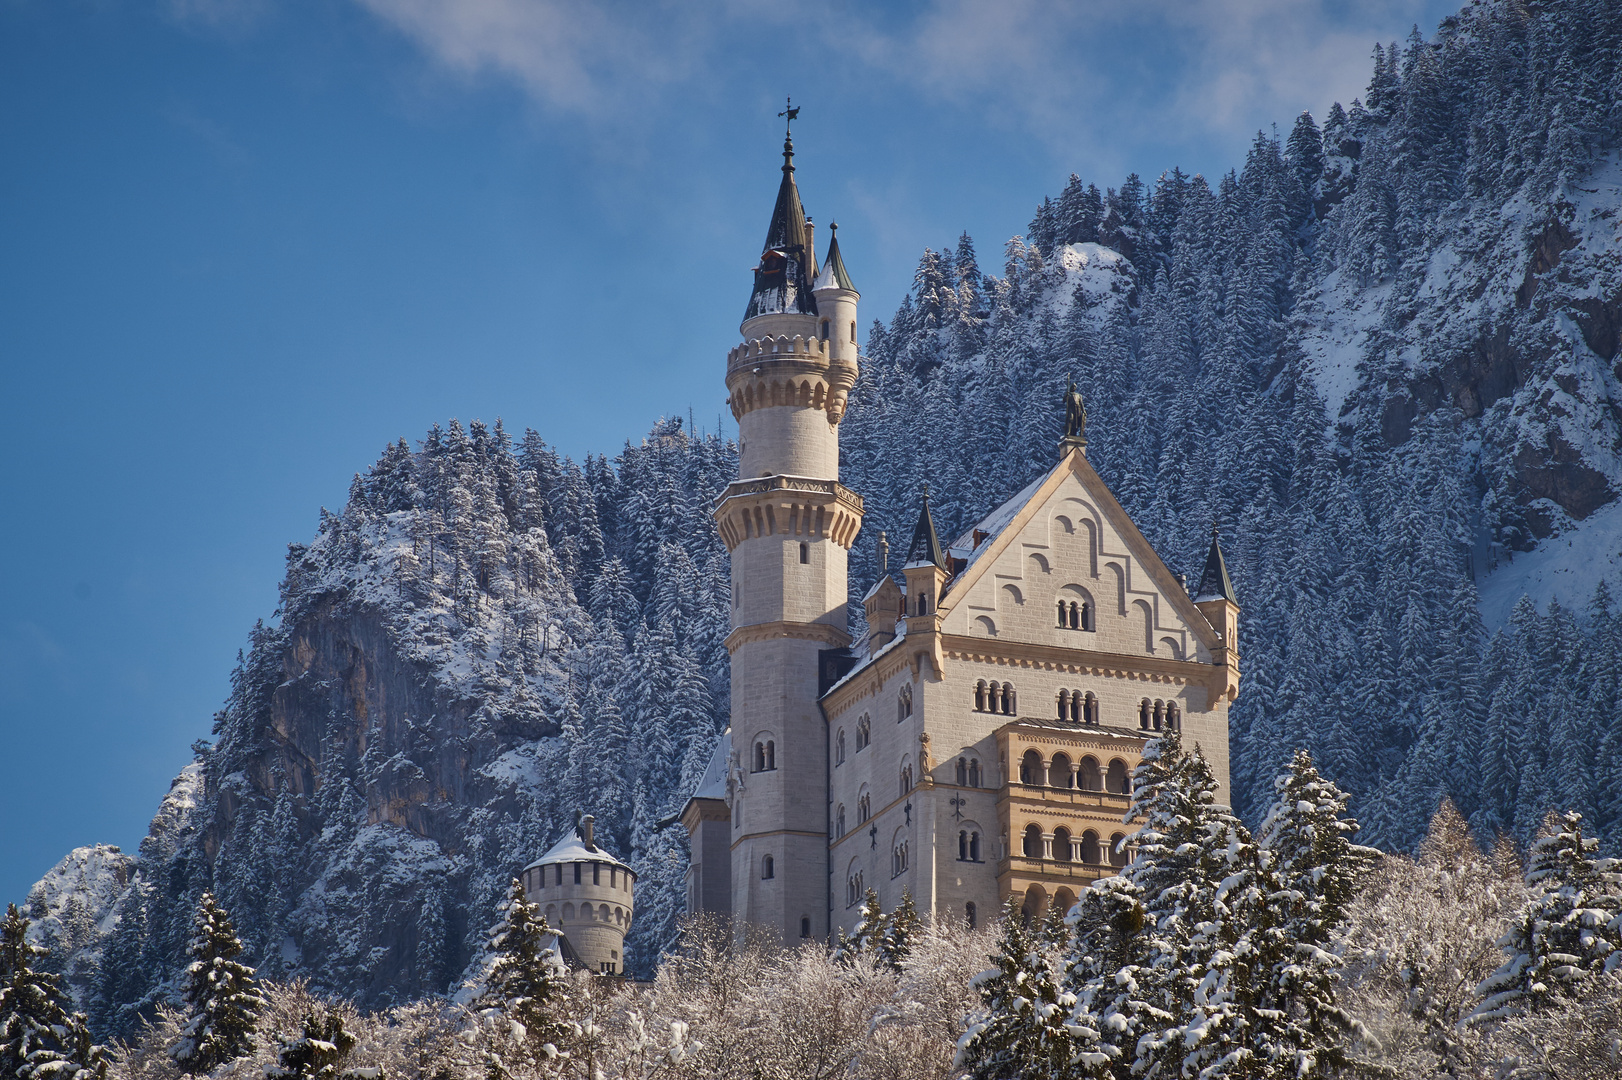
[1076, 615]
[968, 845]
[994, 697]
[1159, 716]
[1068, 848]
[968, 772]
[853, 888]
[765, 755]
[898, 859]
[1083, 775]
[864, 735]
[600, 913]
[1077, 707]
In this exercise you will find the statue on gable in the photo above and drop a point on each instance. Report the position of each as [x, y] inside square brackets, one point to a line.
[1075, 419]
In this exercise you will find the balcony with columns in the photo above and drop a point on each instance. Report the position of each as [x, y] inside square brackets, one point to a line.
[1061, 807]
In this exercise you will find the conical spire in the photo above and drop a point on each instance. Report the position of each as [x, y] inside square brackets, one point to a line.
[783, 277]
[833, 275]
[926, 545]
[1214, 582]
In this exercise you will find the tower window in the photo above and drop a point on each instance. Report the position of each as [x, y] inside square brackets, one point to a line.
[577, 873]
[970, 914]
[596, 873]
[805, 920]
[853, 331]
[768, 868]
[805, 552]
[824, 329]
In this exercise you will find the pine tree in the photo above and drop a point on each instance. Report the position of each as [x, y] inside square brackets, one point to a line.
[1023, 1027]
[319, 1052]
[39, 1039]
[527, 982]
[901, 929]
[866, 938]
[222, 995]
[1314, 874]
[1569, 931]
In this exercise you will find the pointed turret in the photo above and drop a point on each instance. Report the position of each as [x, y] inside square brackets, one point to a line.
[926, 545]
[1214, 582]
[787, 264]
[1217, 602]
[833, 274]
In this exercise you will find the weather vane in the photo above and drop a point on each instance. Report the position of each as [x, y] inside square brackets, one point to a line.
[791, 111]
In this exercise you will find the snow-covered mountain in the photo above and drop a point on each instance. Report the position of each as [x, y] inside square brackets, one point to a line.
[1382, 354]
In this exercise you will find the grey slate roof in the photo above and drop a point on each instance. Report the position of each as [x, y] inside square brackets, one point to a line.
[926, 545]
[1214, 582]
[834, 275]
[783, 277]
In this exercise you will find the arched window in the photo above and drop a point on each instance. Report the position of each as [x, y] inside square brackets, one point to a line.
[980, 696]
[853, 885]
[974, 772]
[1117, 781]
[1008, 707]
[1087, 616]
[903, 705]
[568, 911]
[1117, 849]
[1144, 713]
[839, 747]
[1089, 712]
[974, 845]
[1089, 848]
[1064, 611]
[1088, 775]
[805, 552]
[923, 603]
[1075, 615]
[962, 772]
[1064, 704]
[805, 926]
[1030, 768]
[771, 755]
[963, 845]
[1059, 774]
[1033, 841]
[768, 869]
[1061, 844]
[853, 330]
[864, 733]
[824, 329]
[1160, 715]
[1174, 717]
[970, 914]
[839, 822]
[760, 757]
[898, 858]
[864, 808]
[906, 778]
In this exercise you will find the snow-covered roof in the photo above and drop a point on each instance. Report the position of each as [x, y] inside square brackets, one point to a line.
[713, 784]
[877, 585]
[573, 848]
[991, 525]
[866, 661]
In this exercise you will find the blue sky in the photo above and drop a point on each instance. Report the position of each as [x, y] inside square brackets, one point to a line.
[243, 244]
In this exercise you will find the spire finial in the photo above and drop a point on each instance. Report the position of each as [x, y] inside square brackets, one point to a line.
[790, 113]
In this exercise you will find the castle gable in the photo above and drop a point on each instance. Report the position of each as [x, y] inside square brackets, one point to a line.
[1062, 564]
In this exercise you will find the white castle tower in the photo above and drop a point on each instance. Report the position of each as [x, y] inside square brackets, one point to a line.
[585, 894]
[788, 524]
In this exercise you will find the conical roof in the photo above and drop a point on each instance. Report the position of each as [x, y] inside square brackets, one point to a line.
[783, 277]
[833, 274]
[1214, 582]
[576, 847]
[926, 545]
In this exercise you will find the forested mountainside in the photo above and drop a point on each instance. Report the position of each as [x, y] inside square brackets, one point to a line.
[1382, 354]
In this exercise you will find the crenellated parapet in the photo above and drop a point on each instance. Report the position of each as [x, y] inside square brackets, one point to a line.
[789, 506]
[783, 370]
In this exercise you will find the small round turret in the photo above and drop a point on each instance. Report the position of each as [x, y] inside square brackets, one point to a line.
[586, 894]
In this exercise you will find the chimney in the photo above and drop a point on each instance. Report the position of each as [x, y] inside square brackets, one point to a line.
[884, 554]
[587, 829]
[810, 249]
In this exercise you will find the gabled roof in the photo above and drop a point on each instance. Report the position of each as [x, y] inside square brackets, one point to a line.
[1075, 464]
[833, 275]
[783, 277]
[713, 784]
[1214, 582]
[926, 545]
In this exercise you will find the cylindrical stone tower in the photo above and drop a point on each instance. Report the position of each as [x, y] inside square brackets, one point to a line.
[788, 524]
[585, 893]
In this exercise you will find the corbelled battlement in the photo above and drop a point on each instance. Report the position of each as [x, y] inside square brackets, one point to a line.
[774, 348]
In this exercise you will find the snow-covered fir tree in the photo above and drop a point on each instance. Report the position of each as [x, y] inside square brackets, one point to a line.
[527, 982]
[39, 1038]
[1570, 930]
[222, 995]
[1023, 1028]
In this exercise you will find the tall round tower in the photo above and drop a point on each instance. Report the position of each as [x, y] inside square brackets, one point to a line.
[788, 524]
[585, 894]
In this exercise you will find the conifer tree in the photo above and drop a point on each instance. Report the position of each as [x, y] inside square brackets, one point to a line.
[222, 995]
[1023, 1028]
[1314, 871]
[1570, 929]
[527, 982]
[901, 928]
[39, 1039]
[319, 1052]
[866, 938]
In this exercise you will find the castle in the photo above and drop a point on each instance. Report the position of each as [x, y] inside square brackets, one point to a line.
[976, 744]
